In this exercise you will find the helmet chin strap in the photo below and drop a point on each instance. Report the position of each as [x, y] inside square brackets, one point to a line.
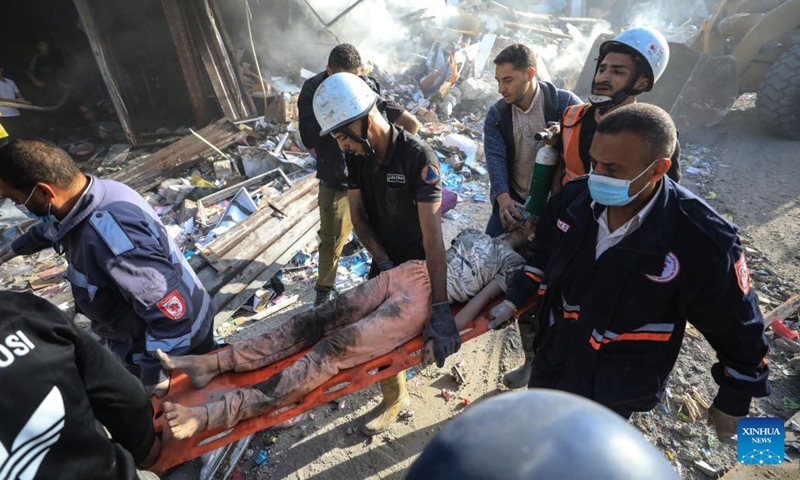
[604, 103]
[369, 152]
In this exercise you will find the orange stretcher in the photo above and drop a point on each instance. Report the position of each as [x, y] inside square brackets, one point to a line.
[175, 452]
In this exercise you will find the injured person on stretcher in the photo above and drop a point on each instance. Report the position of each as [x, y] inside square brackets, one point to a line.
[360, 325]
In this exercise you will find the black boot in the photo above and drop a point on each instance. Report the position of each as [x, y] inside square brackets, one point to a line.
[323, 295]
[519, 378]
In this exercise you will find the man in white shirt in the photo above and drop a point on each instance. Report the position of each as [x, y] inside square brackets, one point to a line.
[10, 116]
[511, 123]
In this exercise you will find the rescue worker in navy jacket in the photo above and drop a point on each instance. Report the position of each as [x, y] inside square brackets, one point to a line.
[622, 259]
[127, 275]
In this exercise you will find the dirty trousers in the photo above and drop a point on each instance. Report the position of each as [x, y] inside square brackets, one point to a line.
[334, 228]
[364, 323]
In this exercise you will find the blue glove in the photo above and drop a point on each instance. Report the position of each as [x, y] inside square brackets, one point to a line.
[441, 328]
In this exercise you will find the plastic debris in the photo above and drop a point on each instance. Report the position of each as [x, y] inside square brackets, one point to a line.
[301, 259]
[780, 329]
[262, 457]
[791, 403]
[788, 345]
[458, 376]
[446, 394]
[705, 468]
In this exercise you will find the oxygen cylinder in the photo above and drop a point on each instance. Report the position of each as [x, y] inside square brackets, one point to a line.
[544, 169]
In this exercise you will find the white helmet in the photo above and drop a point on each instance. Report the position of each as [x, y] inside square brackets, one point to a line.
[340, 100]
[647, 42]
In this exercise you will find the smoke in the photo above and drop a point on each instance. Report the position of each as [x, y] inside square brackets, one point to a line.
[676, 20]
[564, 61]
[298, 39]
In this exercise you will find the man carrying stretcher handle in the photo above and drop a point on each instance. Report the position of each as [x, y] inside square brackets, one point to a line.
[362, 324]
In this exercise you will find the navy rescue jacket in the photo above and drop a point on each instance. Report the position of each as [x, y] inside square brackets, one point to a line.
[611, 329]
[127, 276]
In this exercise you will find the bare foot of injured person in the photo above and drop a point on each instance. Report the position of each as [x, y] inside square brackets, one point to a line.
[185, 422]
[200, 369]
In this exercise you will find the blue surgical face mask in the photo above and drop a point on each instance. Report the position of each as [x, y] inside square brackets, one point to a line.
[42, 218]
[613, 192]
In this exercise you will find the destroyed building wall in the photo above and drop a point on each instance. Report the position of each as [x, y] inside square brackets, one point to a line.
[133, 43]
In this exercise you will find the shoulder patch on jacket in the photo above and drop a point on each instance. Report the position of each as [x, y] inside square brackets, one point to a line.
[111, 232]
[173, 306]
[742, 274]
[430, 174]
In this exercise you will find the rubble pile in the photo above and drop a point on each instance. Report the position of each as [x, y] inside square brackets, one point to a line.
[239, 199]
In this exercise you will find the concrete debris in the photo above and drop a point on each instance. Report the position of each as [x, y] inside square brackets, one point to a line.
[788, 345]
[706, 468]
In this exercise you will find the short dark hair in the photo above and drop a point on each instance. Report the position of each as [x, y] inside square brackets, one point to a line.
[26, 162]
[518, 55]
[649, 122]
[344, 57]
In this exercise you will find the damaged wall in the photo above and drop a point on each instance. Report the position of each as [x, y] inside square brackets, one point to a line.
[166, 64]
[132, 43]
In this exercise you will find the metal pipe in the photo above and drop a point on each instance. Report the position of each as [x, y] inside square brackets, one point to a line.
[212, 145]
[35, 108]
[345, 12]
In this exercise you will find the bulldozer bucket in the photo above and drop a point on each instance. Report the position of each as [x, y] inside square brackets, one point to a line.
[697, 89]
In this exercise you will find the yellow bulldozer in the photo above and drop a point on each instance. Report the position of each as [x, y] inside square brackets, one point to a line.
[745, 46]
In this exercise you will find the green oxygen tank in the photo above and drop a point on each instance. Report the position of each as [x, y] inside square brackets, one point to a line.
[544, 169]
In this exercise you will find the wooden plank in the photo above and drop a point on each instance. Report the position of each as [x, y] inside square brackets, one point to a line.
[208, 41]
[140, 175]
[202, 40]
[236, 235]
[106, 66]
[539, 31]
[249, 108]
[234, 189]
[237, 292]
[783, 311]
[249, 249]
[178, 27]
[197, 262]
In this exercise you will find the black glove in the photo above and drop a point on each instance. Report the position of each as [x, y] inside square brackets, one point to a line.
[441, 328]
[385, 265]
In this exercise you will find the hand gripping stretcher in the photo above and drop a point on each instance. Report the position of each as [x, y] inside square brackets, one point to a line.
[174, 452]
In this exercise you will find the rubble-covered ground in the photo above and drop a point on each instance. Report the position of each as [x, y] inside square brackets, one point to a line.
[748, 175]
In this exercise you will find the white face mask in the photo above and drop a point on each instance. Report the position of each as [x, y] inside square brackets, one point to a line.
[613, 192]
